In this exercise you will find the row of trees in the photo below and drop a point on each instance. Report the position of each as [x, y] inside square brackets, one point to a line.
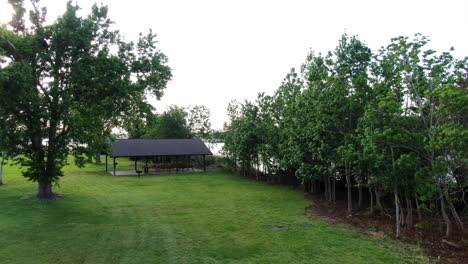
[391, 123]
[175, 122]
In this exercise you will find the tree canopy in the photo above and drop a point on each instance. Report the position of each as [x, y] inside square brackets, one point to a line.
[65, 85]
[175, 122]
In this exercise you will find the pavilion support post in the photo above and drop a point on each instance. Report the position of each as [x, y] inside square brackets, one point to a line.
[106, 162]
[136, 163]
[204, 162]
[115, 164]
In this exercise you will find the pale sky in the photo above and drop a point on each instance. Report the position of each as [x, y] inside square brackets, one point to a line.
[224, 50]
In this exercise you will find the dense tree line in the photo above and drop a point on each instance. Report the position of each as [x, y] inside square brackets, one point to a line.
[389, 125]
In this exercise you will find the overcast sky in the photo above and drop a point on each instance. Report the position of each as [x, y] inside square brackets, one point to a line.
[223, 50]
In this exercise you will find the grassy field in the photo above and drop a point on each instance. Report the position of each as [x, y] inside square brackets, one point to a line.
[180, 218]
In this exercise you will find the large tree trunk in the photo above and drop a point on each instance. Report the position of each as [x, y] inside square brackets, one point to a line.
[371, 201]
[98, 157]
[45, 191]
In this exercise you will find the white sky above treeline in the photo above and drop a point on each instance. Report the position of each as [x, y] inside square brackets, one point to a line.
[225, 50]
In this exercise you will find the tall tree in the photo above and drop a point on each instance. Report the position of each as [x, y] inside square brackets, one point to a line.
[198, 120]
[63, 80]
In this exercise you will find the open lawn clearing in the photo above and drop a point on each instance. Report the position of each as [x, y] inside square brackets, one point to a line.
[178, 218]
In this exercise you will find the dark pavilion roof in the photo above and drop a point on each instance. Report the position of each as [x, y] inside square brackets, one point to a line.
[159, 147]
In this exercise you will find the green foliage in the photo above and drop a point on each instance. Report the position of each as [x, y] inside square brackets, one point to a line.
[198, 120]
[65, 85]
[175, 122]
[394, 121]
[171, 124]
[425, 225]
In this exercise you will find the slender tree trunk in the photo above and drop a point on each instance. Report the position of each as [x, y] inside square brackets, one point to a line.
[417, 206]
[256, 170]
[326, 189]
[360, 196]
[45, 191]
[463, 197]
[377, 200]
[448, 224]
[402, 211]
[348, 184]
[269, 173]
[458, 220]
[371, 201]
[409, 211]
[397, 201]
[397, 212]
[334, 190]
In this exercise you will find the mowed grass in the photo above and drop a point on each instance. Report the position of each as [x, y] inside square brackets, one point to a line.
[211, 217]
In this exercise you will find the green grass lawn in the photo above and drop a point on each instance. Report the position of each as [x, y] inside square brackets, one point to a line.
[178, 218]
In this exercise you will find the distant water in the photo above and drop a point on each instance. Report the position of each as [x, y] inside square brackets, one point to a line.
[216, 148]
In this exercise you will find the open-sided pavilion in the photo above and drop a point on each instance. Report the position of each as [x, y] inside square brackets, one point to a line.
[160, 152]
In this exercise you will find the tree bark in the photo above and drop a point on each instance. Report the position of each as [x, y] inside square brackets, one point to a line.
[448, 231]
[360, 196]
[45, 191]
[334, 190]
[257, 166]
[397, 201]
[458, 220]
[397, 213]
[409, 211]
[371, 201]
[377, 200]
[417, 206]
[98, 157]
[325, 182]
[348, 184]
